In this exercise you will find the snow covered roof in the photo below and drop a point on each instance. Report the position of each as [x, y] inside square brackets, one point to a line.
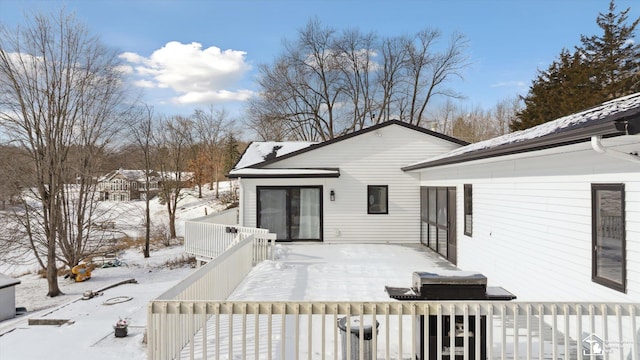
[261, 151]
[6, 281]
[259, 154]
[612, 118]
[288, 173]
[131, 175]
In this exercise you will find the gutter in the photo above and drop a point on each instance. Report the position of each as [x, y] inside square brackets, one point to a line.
[596, 144]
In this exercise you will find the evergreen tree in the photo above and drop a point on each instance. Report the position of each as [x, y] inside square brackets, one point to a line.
[614, 56]
[565, 86]
[603, 68]
[231, 152]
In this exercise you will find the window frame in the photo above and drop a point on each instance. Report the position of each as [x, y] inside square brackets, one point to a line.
[468, 208]
[385, 211]
[619, 286]
[289, 189]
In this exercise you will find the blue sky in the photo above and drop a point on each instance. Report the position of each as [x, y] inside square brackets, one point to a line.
[508, 39]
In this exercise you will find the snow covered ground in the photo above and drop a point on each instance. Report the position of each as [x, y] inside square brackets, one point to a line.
[300, 272]
[89, 330]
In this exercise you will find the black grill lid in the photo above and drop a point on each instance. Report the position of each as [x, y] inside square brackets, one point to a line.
[453, 277]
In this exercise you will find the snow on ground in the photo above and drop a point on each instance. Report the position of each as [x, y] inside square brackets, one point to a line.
[353, 272]
[89, 331]
[127, 218]
[300, 272]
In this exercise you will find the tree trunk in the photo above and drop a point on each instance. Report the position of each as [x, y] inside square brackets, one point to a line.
[52, 272]
[147, 225]
[172, 220]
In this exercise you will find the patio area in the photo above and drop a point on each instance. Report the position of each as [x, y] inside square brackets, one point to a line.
[336, 272]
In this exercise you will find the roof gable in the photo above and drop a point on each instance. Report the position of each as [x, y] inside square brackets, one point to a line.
[261, 151]
[283, 153]
[613, 118]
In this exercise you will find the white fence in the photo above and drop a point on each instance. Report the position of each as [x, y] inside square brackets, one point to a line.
[167, 335]
[491, 330]
[224, 217]
[193, 320]
[206, 241]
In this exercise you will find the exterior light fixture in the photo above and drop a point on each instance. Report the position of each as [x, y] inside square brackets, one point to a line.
[332, 195]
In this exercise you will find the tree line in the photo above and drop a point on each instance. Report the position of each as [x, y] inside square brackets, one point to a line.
[327, 82]
[66, 118]
[603, 67]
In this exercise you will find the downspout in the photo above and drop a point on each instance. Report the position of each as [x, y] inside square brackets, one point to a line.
[596, 144]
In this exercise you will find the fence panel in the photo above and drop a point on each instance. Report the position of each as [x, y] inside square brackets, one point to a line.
[410, 330]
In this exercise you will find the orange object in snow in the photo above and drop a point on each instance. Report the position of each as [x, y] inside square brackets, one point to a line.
[82, 272]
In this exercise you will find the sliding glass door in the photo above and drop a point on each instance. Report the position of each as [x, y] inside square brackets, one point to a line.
[438, 220]
[293, 213]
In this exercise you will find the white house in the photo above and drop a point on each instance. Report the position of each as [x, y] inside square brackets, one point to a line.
[7, 297]
[552, 212]
[349, 189]
[127, 185]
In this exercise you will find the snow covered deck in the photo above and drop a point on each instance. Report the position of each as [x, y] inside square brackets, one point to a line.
[326, 272]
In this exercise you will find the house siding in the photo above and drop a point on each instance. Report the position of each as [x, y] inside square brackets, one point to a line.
[532, 221]
[372, 158]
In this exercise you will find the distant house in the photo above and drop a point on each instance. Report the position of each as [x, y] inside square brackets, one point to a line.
[127, 185]
[7, 297]
[186, 178]
[349, 189]
[551, 212]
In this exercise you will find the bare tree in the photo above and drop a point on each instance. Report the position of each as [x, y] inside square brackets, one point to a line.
[174, 139]
[354, 59]
[428, 70]
[505, 112]
[474, 124]
[209, 124]
[60, 92]
[142, 132]
[328, 83]
[389, 77]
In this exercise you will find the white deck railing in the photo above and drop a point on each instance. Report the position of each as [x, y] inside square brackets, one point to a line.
[193, 321]
[167, 335]
[205, 240]
[224, 217]
[307, 330]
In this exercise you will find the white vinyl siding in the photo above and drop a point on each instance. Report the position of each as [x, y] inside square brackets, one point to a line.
[372, 158]
[532, 222]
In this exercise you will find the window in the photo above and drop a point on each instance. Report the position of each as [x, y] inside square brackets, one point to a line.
[293, 213]
[377, 199]
[608, 236]
[468, 209]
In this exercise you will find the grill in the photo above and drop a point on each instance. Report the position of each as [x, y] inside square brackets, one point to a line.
[449, 285]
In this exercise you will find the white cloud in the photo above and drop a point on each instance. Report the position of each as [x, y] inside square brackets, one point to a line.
[517, 84]
[195, 97]
[197, 75]
[144, 83]
[125, 69]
